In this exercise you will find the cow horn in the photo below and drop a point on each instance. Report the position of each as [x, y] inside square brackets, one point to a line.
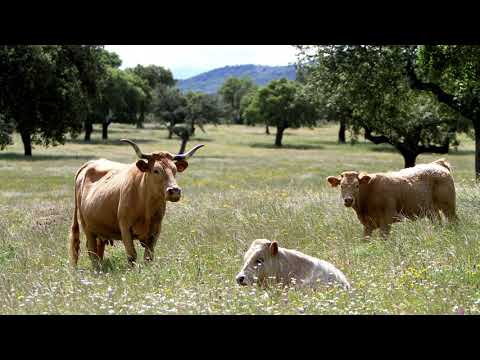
[188, 154]
[137, 149]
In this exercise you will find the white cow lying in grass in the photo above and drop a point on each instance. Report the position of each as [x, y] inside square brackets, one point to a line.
[265, 259]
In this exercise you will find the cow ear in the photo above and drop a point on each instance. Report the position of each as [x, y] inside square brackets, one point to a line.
[274, 248]
[142, 166]
[334, 181]
[181, 165]
[364, 178]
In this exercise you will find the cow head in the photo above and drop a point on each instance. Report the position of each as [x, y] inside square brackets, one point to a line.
[160, 169]
[349, 182]
[260, 262]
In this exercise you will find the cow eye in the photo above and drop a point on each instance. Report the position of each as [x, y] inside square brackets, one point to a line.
[156, 171]
[259, 261]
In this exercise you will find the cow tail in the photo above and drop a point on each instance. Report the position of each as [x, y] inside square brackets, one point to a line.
[75, 228]
[443, 162]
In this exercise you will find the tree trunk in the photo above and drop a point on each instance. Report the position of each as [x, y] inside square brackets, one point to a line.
[267, 130]
[409, 157]
[279, 136]
[88, 130]
[170, 132]
[105, 130]
[140, 120]
[192, 128]
[341, 132]
[476, 126]
[183, 146]
[27, 142]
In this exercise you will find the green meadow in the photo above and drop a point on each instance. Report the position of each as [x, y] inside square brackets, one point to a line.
[237, 188]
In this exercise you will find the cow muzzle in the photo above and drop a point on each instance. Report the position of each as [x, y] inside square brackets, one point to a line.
[348, 202]
[241, 279]
[174, 193]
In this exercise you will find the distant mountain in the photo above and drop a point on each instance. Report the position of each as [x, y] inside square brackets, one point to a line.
[209, 82]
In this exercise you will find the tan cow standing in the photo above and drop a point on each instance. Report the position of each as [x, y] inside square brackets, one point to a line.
[384, 198]
[266, 260]
[118, 201]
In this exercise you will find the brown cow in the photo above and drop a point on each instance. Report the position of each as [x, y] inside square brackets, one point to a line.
[118, 201]
[384, 198]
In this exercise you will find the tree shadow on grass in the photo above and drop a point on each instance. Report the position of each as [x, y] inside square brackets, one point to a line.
[116, 142]
[387, 149]
[44, 157]
[109, 141]
[212, 157]
[461, 152]
[383, 149]
[288, 146]
[195, 139]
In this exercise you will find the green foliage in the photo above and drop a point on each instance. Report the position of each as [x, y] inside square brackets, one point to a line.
[368, 86]
[203, 108]
[170, 105]
[110, 59]
[47, 89]
[232, 92]
[182, 113]
[126, 96]
[455, 70]
[282, 104]
[154, 75]
[123, 95]
[247, 112]
[6, 130]
[451, 74]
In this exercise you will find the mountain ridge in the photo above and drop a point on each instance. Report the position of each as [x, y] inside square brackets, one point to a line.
[210, 81]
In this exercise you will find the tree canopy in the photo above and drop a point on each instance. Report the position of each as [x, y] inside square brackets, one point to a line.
[283, 104]
[170, 105]
[232, 92]
[153, 76]
[47, 90]
[368, 86]
[451, 73]
[199, 109]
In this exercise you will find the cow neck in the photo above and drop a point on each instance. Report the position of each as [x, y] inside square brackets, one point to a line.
[360, 205]
[153, 201]
[285, 259]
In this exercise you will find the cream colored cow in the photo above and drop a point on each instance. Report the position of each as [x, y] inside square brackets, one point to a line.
[266, 260]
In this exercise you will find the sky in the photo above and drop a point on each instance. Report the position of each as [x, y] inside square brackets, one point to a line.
[189, 60]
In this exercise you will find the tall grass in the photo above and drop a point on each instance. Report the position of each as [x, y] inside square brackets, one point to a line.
[236, 189]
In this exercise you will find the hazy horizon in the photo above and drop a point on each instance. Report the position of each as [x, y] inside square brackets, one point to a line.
[186, 61]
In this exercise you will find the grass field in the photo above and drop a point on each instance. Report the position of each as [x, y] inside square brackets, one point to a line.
[236, 189]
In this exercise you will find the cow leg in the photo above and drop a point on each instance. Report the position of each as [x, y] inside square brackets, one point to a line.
[149, 249]
[92, 249]
[445, 201]
[447, 206]
[385, 229]
[449, 212]
[385, 225]
[128, 243]
[434, 216]
[100, 248]
[367, 231]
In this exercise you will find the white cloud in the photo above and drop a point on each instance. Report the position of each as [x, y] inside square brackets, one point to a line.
[189, 60]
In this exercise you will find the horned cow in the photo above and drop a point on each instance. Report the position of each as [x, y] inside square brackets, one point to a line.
[116, 201]
[381, 199]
